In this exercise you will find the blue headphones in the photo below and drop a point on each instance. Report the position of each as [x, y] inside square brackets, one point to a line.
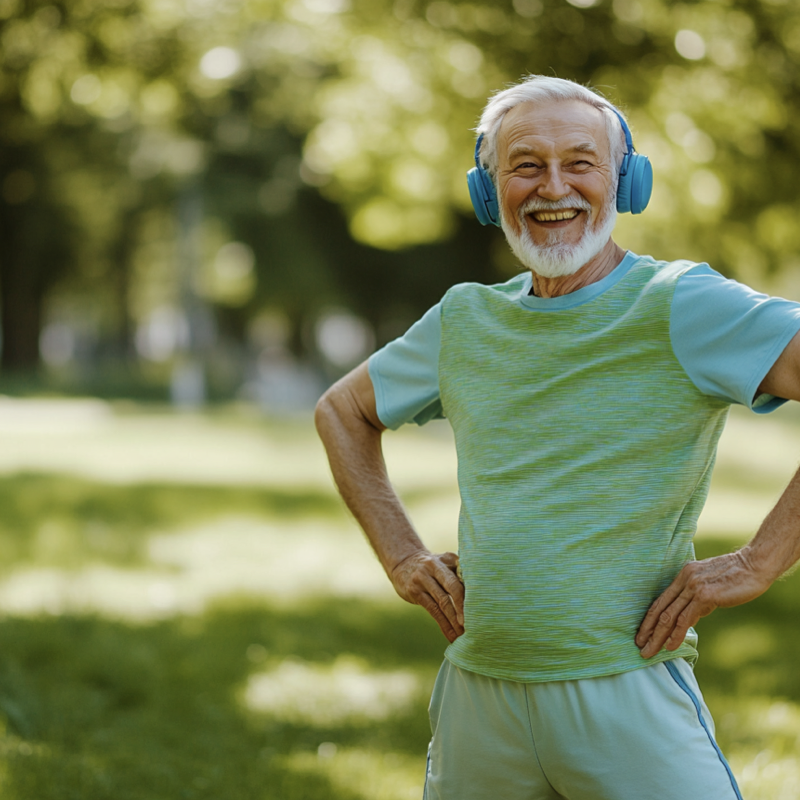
[633, 190]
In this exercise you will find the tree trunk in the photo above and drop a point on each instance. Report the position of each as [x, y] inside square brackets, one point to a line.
[20, 296]
[32, 255]
[21, 321]
[122, 253]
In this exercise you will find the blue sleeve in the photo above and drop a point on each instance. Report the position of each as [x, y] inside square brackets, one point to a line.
[727, 336]
[405, 374]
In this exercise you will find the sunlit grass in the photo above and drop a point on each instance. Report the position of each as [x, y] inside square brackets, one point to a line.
[56, 518]
[190, 612]
[95, 708]
[346, 690]
[368, 774]
[761, 738]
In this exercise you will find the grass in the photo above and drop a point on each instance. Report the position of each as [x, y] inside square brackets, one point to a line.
[99, 709]
[67, 520]
[187, 612]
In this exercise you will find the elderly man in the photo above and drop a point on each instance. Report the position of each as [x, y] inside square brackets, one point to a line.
[586, 396]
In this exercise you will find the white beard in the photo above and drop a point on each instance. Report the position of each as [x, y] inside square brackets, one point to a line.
[557, 259]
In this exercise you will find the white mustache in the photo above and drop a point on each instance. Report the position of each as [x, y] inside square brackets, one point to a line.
[540, 204]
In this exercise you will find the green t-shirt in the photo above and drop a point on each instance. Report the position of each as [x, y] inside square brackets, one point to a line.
[585, 452]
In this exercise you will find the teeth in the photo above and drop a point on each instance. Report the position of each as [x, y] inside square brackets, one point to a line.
[554, 216]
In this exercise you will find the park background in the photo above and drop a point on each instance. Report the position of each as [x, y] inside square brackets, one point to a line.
[210, 210]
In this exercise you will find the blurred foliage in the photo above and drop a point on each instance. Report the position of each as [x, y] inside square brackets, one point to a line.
[711, 88]
[324, 144]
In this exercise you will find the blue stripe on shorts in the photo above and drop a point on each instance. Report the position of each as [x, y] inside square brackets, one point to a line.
[678, 678]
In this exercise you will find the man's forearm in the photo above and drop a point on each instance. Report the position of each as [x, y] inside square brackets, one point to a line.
[775, 549]
[353, 445]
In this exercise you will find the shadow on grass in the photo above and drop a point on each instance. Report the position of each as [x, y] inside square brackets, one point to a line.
[67, 521]
[96, 709]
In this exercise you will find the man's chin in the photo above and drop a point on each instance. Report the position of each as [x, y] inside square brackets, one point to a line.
[551, 262]
[558, 259]
[548, 270]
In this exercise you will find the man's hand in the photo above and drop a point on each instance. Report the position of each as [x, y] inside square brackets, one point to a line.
[701, 586]
[430, 580]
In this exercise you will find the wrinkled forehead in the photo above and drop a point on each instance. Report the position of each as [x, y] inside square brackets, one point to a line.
[553, 125]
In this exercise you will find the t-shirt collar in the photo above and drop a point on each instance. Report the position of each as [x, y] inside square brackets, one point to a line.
[580, 296]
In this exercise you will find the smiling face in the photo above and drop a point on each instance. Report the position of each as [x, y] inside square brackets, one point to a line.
[556, 184]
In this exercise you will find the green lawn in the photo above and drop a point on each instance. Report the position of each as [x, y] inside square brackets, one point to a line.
[188, 612]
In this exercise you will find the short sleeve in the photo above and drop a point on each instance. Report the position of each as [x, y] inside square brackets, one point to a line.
[727, 336]
[405, 374]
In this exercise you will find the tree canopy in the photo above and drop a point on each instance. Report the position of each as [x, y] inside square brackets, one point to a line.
[324, 144]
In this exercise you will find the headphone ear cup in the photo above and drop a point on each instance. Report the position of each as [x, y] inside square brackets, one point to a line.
[642, 183]
[636, 186]
[483, 196]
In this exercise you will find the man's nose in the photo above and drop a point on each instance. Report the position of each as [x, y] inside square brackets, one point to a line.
[553, 186]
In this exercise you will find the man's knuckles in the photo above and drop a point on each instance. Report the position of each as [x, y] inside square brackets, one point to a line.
[666, 619]
[692, 568]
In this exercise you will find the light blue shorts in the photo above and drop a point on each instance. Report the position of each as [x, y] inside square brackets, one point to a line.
[640, 735]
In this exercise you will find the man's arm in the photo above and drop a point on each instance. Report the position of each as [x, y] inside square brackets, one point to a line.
[348, 424]
[735, 578]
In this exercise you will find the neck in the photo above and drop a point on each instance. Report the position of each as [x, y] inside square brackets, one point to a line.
[591, 272]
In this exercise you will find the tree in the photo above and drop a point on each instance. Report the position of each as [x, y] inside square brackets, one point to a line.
[711, 88]
[300, 117]
[81, 86]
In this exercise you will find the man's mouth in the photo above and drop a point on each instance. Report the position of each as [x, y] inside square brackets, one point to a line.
[555, 216]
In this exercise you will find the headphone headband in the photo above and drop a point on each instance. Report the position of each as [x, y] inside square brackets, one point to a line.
[482, 191]
[478, 151]
[629, 148]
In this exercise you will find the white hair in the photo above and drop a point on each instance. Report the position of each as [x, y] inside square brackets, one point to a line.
[536, 88]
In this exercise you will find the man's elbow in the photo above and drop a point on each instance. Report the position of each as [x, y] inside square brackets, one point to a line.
[337, 412]
[324, 413]
[349, 404]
